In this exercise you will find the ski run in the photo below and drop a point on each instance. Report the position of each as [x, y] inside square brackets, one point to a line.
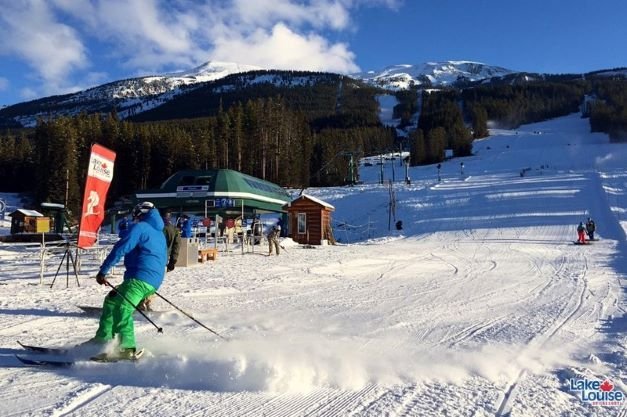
[480, 306]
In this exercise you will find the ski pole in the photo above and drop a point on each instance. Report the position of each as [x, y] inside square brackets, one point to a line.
[159, 329]
[190, 316]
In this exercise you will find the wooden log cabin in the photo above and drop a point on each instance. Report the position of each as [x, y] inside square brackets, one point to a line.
[310, 220]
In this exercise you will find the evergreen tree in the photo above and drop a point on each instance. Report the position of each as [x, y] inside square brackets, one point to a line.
[417, 148]
[479, 117]
[436, 144]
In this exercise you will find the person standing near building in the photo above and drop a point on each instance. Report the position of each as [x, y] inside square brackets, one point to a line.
[186, 226]
[230, 229]
[273, 239]
[145, 258]
[221, 226]
[123, 226]
[239, 231]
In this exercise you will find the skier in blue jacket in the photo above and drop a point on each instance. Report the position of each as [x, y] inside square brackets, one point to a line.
[186, 226]
[145, 258]
[123, 226]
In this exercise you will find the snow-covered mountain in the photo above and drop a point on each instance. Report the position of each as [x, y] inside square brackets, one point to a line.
[159, 84]
[129, 96]
[431, 74]
[133, 96]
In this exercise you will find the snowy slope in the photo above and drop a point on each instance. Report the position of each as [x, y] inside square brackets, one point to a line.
[480, 306]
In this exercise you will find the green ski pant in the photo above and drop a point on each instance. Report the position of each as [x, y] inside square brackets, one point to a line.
[117, 312]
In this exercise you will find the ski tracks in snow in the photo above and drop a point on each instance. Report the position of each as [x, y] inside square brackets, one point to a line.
[323, 402]
[76, 400]
[574, 270]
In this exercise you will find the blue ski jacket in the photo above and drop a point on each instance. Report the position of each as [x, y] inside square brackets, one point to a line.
[144, 250]
[186, 228]
[123, 227]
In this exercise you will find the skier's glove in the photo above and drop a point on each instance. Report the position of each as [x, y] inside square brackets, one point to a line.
[171, 265]
[101, 278]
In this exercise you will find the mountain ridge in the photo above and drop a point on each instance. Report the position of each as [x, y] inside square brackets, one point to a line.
[136, 95]
[434, 73]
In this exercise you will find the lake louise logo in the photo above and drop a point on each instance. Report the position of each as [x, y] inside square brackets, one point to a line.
[595, 392]
[100, 168]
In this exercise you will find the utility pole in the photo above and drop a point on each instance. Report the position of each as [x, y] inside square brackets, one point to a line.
[351, 168]
[381, 167]
[392, 163]
[67, 186]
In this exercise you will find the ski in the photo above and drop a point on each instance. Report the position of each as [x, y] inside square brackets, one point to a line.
[42, 349]
[91, 309]
[45, 362]
[60, 363]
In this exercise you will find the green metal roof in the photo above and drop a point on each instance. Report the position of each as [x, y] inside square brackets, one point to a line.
[219, 190]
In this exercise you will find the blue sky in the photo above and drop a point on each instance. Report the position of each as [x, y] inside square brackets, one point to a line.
[60, 46]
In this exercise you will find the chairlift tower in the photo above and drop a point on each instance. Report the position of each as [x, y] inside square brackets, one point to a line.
[352, 167]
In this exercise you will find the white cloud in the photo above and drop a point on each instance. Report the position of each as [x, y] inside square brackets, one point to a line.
[31, 31]
[150, 36]
[284, 49]
[28, 93]
[96, 77]
[4, 83]
[144, 23]
[265, 13]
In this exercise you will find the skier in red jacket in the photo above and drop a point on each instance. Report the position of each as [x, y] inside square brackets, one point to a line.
[581, 233]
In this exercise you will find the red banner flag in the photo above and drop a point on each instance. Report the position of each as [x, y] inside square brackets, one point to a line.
[99, 176]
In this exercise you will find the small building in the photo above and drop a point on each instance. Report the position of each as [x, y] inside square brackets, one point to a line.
[588, 102]
[29, 221]
[225, 192]
[310, 220]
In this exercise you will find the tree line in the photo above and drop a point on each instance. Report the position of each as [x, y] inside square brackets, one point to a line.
[608, 111]
[262, 138]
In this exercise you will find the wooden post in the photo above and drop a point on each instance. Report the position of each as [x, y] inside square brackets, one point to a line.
[42, 256]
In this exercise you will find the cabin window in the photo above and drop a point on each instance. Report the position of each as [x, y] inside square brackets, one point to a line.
[302, 223]
[187, 180]
[203, 181]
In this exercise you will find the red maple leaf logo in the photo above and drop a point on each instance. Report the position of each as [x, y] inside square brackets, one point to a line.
[607, 385]
[104, 165]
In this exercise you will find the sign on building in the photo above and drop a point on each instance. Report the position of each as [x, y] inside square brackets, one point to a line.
[225, 202]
